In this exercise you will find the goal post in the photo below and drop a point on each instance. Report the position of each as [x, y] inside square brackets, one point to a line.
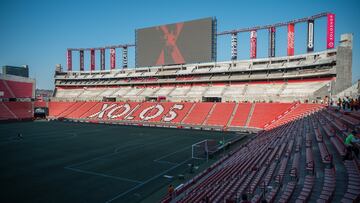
[203, 149]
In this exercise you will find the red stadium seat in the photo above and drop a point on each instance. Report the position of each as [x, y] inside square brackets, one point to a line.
[294, 113]
[40, 104]
[71, 109]
[5, 112]
[56, 108]
[241, 114]
[198, 113]
[16, 89]
[143, 106]
[221, 114]
[21, 89]
[81, 110]
[180, 114]
[267, 112]
[15, 110]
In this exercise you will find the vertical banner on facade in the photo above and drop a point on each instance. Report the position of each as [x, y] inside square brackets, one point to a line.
[125, 57]
[234, 45]
[253, 44]
[92, 59]
[330, 31]
[290, 40]
[112, 58]
[102, 59]
[69, 60]
[81, 60]
[271, 52]
[310, 36]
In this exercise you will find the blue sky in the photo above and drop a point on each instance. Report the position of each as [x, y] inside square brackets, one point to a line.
[38, 32]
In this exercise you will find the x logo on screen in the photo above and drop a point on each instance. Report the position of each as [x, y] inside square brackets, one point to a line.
[171, 47]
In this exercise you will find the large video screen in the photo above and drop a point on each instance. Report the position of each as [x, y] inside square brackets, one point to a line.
[179, 43]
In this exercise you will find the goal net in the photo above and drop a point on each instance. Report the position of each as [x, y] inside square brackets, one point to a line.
[203, 149]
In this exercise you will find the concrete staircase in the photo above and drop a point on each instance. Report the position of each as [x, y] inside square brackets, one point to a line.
[250, 115]
[210, 112]
[232, 115]
[187, 114]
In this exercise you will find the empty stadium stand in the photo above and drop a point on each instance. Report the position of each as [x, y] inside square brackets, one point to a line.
[220, 114]
[305, 77]
[280, 91]
[16, 87]
[198, 114]
[263, 113]
[223, 116]
[299, 161]
[16, 110]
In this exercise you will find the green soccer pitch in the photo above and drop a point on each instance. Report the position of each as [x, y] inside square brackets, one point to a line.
[80, 162]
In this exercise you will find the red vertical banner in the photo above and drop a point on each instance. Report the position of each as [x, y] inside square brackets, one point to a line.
[330, 34]
[112, 58]
[81, 60]
[92, 59]
[290, 40]
[102, 59]
[253, 39]
[69, 60]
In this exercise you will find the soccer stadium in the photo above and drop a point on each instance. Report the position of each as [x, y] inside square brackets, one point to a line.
[182, 126]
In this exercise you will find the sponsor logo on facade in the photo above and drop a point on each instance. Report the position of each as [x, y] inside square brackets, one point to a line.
[92, 59]
[112, 58]
[330, 30]
[125, 57]
[272, 42]
[291, 39]
[81, 60]
[234, 46]
[102, 58]
[253, 44]
[310, 44]
[69, 60]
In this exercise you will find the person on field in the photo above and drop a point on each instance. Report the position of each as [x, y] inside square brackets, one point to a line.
[20, 136]
[171, 191]
[349, 143]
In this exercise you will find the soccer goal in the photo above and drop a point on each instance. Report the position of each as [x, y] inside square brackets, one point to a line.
[203, 149]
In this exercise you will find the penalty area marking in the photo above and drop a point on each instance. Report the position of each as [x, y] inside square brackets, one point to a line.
[147, 181]
[165, 162]
[158, 160]
[118, 151]
[103, 175]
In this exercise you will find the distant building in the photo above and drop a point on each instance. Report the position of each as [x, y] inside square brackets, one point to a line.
[43, 95]
[22, 71]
